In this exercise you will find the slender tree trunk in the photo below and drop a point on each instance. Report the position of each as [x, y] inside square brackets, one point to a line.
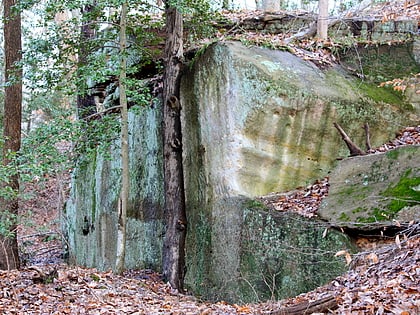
[225, 4]
[322, 26]
[175, 216]
[271, 5]
[122, 209]
[9, 207]
[85, 100]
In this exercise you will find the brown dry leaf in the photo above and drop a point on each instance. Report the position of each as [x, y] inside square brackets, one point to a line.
[346, 254]
[373, 258]
[242, 309]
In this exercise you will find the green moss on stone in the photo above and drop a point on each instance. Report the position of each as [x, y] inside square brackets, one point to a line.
[402, 193]
[382, 94]
[380, 63]
[393, 154]
[358, 210]
[255, 205]
[344, 217]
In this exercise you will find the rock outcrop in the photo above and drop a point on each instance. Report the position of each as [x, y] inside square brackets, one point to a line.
[90, 217]
[257, 121]
[374, 191]
[254, 121]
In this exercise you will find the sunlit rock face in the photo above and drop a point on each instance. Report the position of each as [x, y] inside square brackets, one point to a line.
[262, 120]
[256, 121]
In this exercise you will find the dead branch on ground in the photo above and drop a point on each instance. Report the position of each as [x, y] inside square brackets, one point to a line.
[353, 148]
[319, 306]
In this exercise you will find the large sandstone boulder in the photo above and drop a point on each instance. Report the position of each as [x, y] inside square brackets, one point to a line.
[373, 191]
[257, 121]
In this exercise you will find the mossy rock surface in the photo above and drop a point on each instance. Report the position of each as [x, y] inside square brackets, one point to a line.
[91, 215]
[251, 254]
[368, 192]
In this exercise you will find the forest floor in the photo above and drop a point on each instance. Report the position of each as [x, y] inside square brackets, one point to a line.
[382, 279]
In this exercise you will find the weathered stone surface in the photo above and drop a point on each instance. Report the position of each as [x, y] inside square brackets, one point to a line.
[254, 121]
[382, 62]
[257, 121]
[90, 217]
[261, 120]
[259, 255]
[368, 192]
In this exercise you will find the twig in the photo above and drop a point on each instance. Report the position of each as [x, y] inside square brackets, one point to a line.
[100, 114]
[38, 234]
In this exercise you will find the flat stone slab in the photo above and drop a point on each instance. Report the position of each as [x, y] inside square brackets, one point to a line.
[367, 192]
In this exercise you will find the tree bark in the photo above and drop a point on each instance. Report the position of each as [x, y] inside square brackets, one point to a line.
[125, 178]
[367, 135]
[175, 216]
[322, 25]
[9, 258]
[271, 5]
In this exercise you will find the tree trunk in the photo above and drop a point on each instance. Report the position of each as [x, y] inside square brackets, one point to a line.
[125, 179]
[12, 120]
[322, 26]
[271, 5]
[175, 216]
[367, 135]
[85, 100]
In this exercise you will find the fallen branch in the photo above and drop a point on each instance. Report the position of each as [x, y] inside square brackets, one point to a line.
[113, 109]
[319, 306]
[353, 148]
[332, 21]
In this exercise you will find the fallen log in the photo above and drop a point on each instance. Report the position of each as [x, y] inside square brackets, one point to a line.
[319, 306]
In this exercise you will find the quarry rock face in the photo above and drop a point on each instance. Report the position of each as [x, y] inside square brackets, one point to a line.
[91, 214]
[254, 121]
[257, 121]
[262, 120]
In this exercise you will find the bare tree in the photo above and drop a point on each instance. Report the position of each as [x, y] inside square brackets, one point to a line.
[175, 216]
[125, 178]
[9, 258]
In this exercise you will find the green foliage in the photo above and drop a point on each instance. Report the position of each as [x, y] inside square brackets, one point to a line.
[44, 150]
[51, 55]
[199, 19]
[98, 135]
[7, 221]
